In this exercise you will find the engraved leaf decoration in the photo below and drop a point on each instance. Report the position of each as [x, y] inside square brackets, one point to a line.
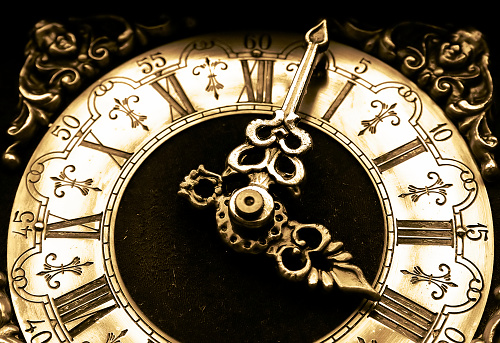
[350, 278]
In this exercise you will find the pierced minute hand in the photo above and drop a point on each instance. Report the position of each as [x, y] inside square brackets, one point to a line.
[317, 39]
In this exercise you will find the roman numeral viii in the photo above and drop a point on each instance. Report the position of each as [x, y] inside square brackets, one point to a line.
[259, 88]
[85, 305]
[403, 315]
[171, 90]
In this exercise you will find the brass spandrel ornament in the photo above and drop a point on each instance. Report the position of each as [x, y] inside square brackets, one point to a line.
[348, 205]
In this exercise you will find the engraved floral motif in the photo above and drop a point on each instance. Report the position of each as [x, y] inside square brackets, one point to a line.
[441, 281]
[63, 180]
[50, 270]
[123, 106]
[438, 187]
[386, 111]
[213, 83]
[113, 338]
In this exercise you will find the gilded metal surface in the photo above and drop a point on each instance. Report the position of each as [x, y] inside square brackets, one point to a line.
[451, 66]
[433, 277]
[252, 208]
[62, 58]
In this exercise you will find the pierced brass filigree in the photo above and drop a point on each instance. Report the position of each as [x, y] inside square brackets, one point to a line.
[250, 219]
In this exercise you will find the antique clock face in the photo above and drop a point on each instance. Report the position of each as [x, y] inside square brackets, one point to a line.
[105, 244]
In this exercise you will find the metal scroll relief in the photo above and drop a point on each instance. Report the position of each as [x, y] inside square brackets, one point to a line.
[451, 66]
[63, 58]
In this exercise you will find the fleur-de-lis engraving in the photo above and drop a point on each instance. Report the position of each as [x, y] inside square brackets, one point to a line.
[438, 187]
[63, 180]
[51, 270]
[386, 111]
[213, 83]
[441, 281]
[124, 107]
[112, 338]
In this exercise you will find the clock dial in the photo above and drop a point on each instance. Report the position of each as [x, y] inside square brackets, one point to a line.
[102, 247]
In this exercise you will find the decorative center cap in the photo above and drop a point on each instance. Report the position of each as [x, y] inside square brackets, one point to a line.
[249, 203]
[251, 206]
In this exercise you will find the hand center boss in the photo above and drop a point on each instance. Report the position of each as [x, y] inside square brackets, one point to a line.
[249, 219]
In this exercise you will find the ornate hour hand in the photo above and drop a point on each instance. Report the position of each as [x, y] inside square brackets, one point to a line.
[250, 219]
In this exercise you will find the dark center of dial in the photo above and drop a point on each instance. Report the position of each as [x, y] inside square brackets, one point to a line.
[193, 287]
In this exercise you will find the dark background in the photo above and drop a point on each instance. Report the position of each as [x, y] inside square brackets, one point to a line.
[18, 19]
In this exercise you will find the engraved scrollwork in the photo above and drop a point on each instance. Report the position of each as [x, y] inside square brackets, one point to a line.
[61, 59]
[451, 66]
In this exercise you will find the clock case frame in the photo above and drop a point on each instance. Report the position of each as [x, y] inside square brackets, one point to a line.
[75, 52]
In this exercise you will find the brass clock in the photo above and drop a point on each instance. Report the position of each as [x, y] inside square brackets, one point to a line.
[224, 183]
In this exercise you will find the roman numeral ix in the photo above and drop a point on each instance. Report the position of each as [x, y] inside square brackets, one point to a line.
[83, 227]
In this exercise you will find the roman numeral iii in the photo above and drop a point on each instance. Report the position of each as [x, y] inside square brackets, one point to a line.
[425, 232]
